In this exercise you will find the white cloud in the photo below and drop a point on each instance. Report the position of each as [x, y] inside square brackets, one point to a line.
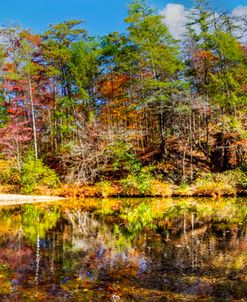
[240, 11]
[175, 18]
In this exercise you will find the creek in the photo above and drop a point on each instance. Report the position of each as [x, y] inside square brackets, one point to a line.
[142, 249]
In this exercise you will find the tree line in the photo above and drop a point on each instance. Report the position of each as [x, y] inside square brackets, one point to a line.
[96, 108]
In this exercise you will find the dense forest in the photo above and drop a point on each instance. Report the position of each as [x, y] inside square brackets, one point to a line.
[133, 113]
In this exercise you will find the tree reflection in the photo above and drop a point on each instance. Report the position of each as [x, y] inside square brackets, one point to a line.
[140, 250]
[36, 221]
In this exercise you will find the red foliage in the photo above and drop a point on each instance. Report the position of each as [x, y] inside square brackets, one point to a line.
[203, 59]
[14, 136]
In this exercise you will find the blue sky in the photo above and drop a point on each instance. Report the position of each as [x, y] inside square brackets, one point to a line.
[101, 16]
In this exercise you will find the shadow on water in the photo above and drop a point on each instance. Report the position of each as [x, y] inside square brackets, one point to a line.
[125, 250]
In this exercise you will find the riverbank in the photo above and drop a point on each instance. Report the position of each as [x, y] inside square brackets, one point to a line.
[230, 183]
[158, 189]
[203, 188]
[9, 199]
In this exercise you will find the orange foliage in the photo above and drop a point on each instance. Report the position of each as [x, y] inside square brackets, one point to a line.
[114, 86]
[116, 110]
[202, 57]
[205, 54]
[32, 38]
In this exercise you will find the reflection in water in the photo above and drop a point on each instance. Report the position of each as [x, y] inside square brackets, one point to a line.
[125, 250]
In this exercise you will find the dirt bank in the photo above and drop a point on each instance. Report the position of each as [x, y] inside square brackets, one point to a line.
[12, 199]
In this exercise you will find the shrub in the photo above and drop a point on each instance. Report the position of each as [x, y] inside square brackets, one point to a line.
[160, 188]
[105, 188]
[74, 191]
[34, 174]
[239, 177]
[9, 174]
[124, 157]
[137, 183]
[9, 189]
[183, 190]
[219, 184]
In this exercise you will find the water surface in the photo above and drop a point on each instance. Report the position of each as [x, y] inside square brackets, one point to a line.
[125, 250]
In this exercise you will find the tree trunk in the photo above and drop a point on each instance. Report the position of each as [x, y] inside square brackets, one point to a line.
[33, 117]
[162, 134]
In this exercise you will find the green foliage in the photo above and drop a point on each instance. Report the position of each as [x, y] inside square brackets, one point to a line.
[105, 188]
[37, 221]
[213, 185]
[132, 91]
[240, 177]
[124, 157]
[5, 276]
[139, 183]
[34, 173]
[233, 124]
[156, 53]
[183, 189]
[140, 217]
[106, 206]
[3, 111]
[84, 67]
[220, 184]
[220, 71]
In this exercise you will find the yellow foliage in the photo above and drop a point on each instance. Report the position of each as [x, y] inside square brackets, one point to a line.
[215, 185]
[106, 189]
[75, 190]
[183, 190]
[159, 188]
[9, 189]
[9, 174]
